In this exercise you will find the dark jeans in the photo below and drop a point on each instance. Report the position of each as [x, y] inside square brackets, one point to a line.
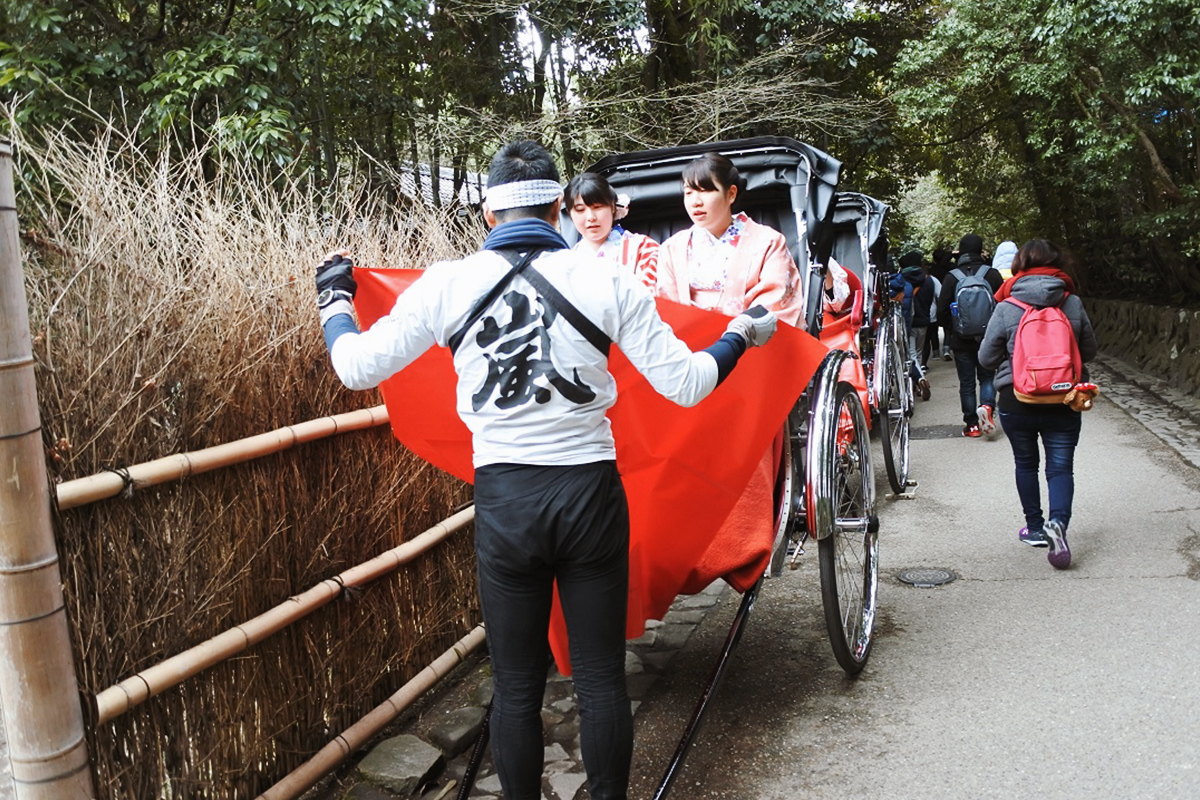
[966, 362]
[535, 526]
[932, 345]
[1059, 432]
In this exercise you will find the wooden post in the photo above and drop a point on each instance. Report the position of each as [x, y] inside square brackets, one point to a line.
[38, 689]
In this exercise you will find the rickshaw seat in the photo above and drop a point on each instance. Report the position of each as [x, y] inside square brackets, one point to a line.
[852, 317]
[840, 332]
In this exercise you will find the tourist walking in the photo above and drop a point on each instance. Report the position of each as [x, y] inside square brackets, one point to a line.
[967, 302]
[1039, 281]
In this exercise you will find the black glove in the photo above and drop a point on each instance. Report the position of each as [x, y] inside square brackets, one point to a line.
[335, 279]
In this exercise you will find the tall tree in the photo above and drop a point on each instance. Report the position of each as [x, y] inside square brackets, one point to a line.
[1090, 107]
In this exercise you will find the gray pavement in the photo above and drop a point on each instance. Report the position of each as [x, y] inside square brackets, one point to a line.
[1012, 681]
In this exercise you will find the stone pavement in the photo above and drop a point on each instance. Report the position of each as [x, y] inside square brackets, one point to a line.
[1171, 415]
[647, 659]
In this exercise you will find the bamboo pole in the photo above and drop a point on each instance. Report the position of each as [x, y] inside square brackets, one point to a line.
[116, 700]
[82, 491]
[328, 757]
[42, 714]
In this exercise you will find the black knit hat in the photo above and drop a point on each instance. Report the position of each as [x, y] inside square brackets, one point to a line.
[971, 243]
[911, 259]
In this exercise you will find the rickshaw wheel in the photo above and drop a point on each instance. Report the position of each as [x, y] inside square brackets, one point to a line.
[895, 409]
[849, 553]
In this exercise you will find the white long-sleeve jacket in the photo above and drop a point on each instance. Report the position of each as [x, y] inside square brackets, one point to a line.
[531, 389]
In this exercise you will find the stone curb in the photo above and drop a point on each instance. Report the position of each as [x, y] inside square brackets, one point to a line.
[1166, 411]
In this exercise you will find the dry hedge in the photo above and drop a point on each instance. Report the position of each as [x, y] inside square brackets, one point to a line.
[171, 305]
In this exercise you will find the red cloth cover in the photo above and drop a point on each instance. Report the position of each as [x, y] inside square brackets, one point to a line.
[841, 333]
[683, 468]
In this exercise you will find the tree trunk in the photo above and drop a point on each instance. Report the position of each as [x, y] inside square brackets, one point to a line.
[539, 73]
[324, 127]
[668, 63]
[1034, 176]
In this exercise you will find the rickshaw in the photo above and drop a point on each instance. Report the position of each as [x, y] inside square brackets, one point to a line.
[825, 486]
[824, 482]
[858, 241]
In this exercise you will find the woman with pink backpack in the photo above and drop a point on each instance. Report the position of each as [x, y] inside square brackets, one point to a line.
[1037, 340]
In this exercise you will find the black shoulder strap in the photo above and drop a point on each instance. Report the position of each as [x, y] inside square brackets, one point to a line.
[521, 266]
[519, 263]
[596, 337]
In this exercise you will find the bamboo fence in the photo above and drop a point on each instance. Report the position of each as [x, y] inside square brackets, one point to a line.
[172, 671]
[153, 344]
[358, 734]
[82, 491]
[132, 691]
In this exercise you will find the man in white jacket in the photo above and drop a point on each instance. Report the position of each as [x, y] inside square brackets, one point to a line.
[529, 324]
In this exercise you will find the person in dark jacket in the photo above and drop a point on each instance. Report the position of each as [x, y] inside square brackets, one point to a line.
[979, 419]
[1039, 280]
[943, 262]
[917, 290]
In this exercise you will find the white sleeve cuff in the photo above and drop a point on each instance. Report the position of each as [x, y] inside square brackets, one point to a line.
[333, 309]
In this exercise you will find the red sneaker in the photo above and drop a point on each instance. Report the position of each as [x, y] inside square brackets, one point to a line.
[972, 432]
[987, 420]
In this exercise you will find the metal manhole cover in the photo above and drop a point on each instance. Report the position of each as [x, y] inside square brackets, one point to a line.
[925, 577]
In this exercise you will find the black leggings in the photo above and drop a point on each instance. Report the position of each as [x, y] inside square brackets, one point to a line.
[534, 526]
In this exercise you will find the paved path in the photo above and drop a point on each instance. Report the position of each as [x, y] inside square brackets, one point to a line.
[1014, 680]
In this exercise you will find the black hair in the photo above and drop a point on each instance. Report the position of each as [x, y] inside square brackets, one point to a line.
[591, 190]
[713, 172]
[522, 160]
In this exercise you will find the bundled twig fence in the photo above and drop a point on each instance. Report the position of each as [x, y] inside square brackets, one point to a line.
[166, 318]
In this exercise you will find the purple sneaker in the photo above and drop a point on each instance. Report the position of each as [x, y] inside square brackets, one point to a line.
[1060, 554]
[1033, 538]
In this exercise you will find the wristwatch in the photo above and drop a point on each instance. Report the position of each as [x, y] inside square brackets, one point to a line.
[327, 296]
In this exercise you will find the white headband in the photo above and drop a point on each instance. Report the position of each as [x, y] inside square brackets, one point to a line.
[522, 194]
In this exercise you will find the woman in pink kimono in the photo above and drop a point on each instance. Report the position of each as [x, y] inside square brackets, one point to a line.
[595, 209]
[727, 262]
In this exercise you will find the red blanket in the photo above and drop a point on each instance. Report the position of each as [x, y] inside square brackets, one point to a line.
[683, 468]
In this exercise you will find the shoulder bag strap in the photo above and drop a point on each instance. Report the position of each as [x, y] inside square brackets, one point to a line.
[596, 337]
[521, 266]
[519, 263]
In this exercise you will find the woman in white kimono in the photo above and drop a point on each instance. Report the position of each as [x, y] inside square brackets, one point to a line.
[595, 209]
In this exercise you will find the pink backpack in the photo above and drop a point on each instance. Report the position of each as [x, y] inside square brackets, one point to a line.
[1045, 359]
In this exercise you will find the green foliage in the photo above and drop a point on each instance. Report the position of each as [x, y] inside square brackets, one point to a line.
[1090, 107]
[1071, 119]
